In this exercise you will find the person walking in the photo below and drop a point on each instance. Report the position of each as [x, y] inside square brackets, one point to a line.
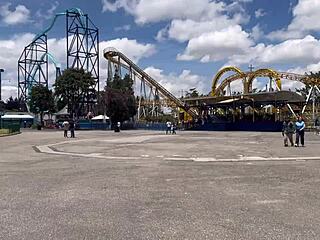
[173, 128]
[300, 126]
[71, 128]
[287, 132]
[65, 126]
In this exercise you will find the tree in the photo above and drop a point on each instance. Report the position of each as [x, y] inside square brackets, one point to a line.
[41, 100]
[72, 88]
[13, 104]
[192, 93]
[116, 107]
[118, 99]
[2, 106]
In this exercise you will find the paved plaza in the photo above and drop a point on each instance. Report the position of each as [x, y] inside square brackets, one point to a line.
[148, 185]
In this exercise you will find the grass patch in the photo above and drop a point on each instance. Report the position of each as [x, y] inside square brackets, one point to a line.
[4, 131]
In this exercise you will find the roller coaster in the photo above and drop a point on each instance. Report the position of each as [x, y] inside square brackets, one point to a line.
[151, 95]
[82, 41]
[249, 77]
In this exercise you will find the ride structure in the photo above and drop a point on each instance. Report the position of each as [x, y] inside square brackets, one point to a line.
[151, 95]
[82, 42]
[248, 78]
[245, 109]
[263, 110]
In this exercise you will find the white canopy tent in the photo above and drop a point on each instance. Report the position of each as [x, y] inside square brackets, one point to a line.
[100, 117]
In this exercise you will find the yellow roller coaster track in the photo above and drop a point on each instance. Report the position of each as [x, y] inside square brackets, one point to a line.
[222, 71]
[249, 77]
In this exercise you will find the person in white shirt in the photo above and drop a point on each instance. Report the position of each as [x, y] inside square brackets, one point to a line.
[65, 126]
[168, 127]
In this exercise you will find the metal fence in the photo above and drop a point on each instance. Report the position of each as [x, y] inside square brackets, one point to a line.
[151, 126]
[9, 127]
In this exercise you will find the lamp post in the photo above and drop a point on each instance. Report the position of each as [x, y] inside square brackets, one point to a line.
[1, 71]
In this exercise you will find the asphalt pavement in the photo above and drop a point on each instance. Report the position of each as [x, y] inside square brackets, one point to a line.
[148, 185]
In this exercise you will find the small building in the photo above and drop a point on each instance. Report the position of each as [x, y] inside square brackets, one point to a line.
[25, 119]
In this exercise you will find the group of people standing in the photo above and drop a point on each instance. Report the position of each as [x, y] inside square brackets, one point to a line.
[68, 126]
[171, 128]
[290, 128]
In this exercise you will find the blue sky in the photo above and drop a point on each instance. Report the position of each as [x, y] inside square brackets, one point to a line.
[182, 43]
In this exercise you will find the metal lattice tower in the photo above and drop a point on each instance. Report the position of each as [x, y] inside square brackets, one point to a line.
[33, 67]
[82, 53]
[83, 49]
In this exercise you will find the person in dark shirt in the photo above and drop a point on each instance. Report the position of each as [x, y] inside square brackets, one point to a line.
[72, 127]
[287, 132]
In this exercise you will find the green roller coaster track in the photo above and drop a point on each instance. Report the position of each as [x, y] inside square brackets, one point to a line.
[77, 11]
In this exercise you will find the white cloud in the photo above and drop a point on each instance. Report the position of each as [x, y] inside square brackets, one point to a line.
[10, 53]
[185, 30]
[305, 20]
[259, 13]
[189, 18]
[146, 11]
[9, 91]
[20, 15]
[257, 33]
[211, 28]
[219, 45]
[126, 27]
[42, 15]
[314, 67]
[299, 51]
[175, 83]
[130, 47]
[11, 50]
[293, 52]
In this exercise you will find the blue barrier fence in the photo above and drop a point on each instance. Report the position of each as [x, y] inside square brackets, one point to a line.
[89, 125]
[151, 126]
[261, 126]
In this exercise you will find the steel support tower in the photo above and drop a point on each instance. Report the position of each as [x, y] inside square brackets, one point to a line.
[83, 50]
[33, 67]
[82, 42]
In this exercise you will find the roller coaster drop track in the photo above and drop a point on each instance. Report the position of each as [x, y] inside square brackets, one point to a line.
[82, 38]
[118, 59]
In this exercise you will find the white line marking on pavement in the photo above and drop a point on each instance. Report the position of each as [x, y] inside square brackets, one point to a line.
[122, 141]
[48, 150]
[139, 139]
[244, 159]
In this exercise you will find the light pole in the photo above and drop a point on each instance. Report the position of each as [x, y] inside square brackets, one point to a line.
[1, 71]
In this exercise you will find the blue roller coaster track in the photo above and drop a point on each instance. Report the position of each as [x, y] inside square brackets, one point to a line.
[31, 77]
